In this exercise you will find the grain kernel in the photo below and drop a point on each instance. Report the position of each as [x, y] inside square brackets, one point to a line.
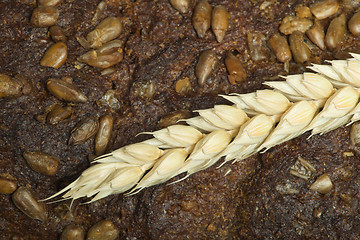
[26, 85]
[9, 88]
[303, 11]
[73, 232]
[58, 114]
[44, 16]
[99, 12]
[354, 24]
[110, 99]
[257, 43]
[336, 32]
[220, 22]
[42, 117]
[57, 34]
[104, 230]
[183, 86]
[202, 17]
[42, 162]
[350, 5]
[51, 3]
[235, 68]
[299, 49]
[316, 34]
[55, 56]
[291, 24]
[84, 131]
[107, 30]
[204, 67]
[27, 202]
[143, 89]
[355, 134]
[324, 9]
[181, 5]
[322, 184]
[281, 48]
[106, 56]
[65, 91]
[7, 186]
[173, 118]
[103, 135]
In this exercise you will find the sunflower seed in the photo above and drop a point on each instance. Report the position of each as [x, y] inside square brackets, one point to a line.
[27, 202]
[84, 131]
[104, 230]
[42, 162]
[55, 56]
[202, 17]
[204, 67]
[63, 90]
[44, 16]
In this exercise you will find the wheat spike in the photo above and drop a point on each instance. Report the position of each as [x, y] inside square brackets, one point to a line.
[268, 102]
[221, 117]
[317, 102]
[336, 111]
[306, 86]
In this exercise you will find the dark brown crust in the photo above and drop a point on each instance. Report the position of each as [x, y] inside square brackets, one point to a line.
[161, 46]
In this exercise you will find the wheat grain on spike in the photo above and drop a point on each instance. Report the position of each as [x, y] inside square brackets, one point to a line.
[317, 102]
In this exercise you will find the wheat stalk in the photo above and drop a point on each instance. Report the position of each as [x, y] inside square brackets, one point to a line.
[257, 121]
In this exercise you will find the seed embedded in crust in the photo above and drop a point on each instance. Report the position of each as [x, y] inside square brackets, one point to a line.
[41, 162]
[234, 67]
[103, 135]
[107, 30]
[299, 49]
[51, 3]
[110, 99]
[303, 11]
[336, 32]
[322, 184]
[324, 9]
[202, 18]
[355, 134]
[73, 232]
[104, 230]
[257, 43]
[220, 22]
[143, 89]
[302, 169]
[183, 85]
[44, 16]
[291, 24]
[354, 24]
[58, 114]
[27, 202]
[105, 56]
[316, 34]
[25, 83]
[181, 5]
[280, 46]
[55, 56]
[99, 12]
[63, 90]
[86, 129]
[204, 67]
[9, 88]
[173, 118]
[57, 34]
[7, 186]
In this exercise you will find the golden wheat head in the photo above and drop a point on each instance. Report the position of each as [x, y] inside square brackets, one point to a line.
[317, 102]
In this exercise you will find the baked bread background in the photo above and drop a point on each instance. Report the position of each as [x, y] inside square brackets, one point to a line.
[257, 198]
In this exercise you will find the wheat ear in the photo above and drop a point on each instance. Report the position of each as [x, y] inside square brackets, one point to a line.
[300, 103]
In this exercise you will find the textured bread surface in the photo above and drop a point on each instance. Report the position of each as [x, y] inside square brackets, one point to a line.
[254, 199]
